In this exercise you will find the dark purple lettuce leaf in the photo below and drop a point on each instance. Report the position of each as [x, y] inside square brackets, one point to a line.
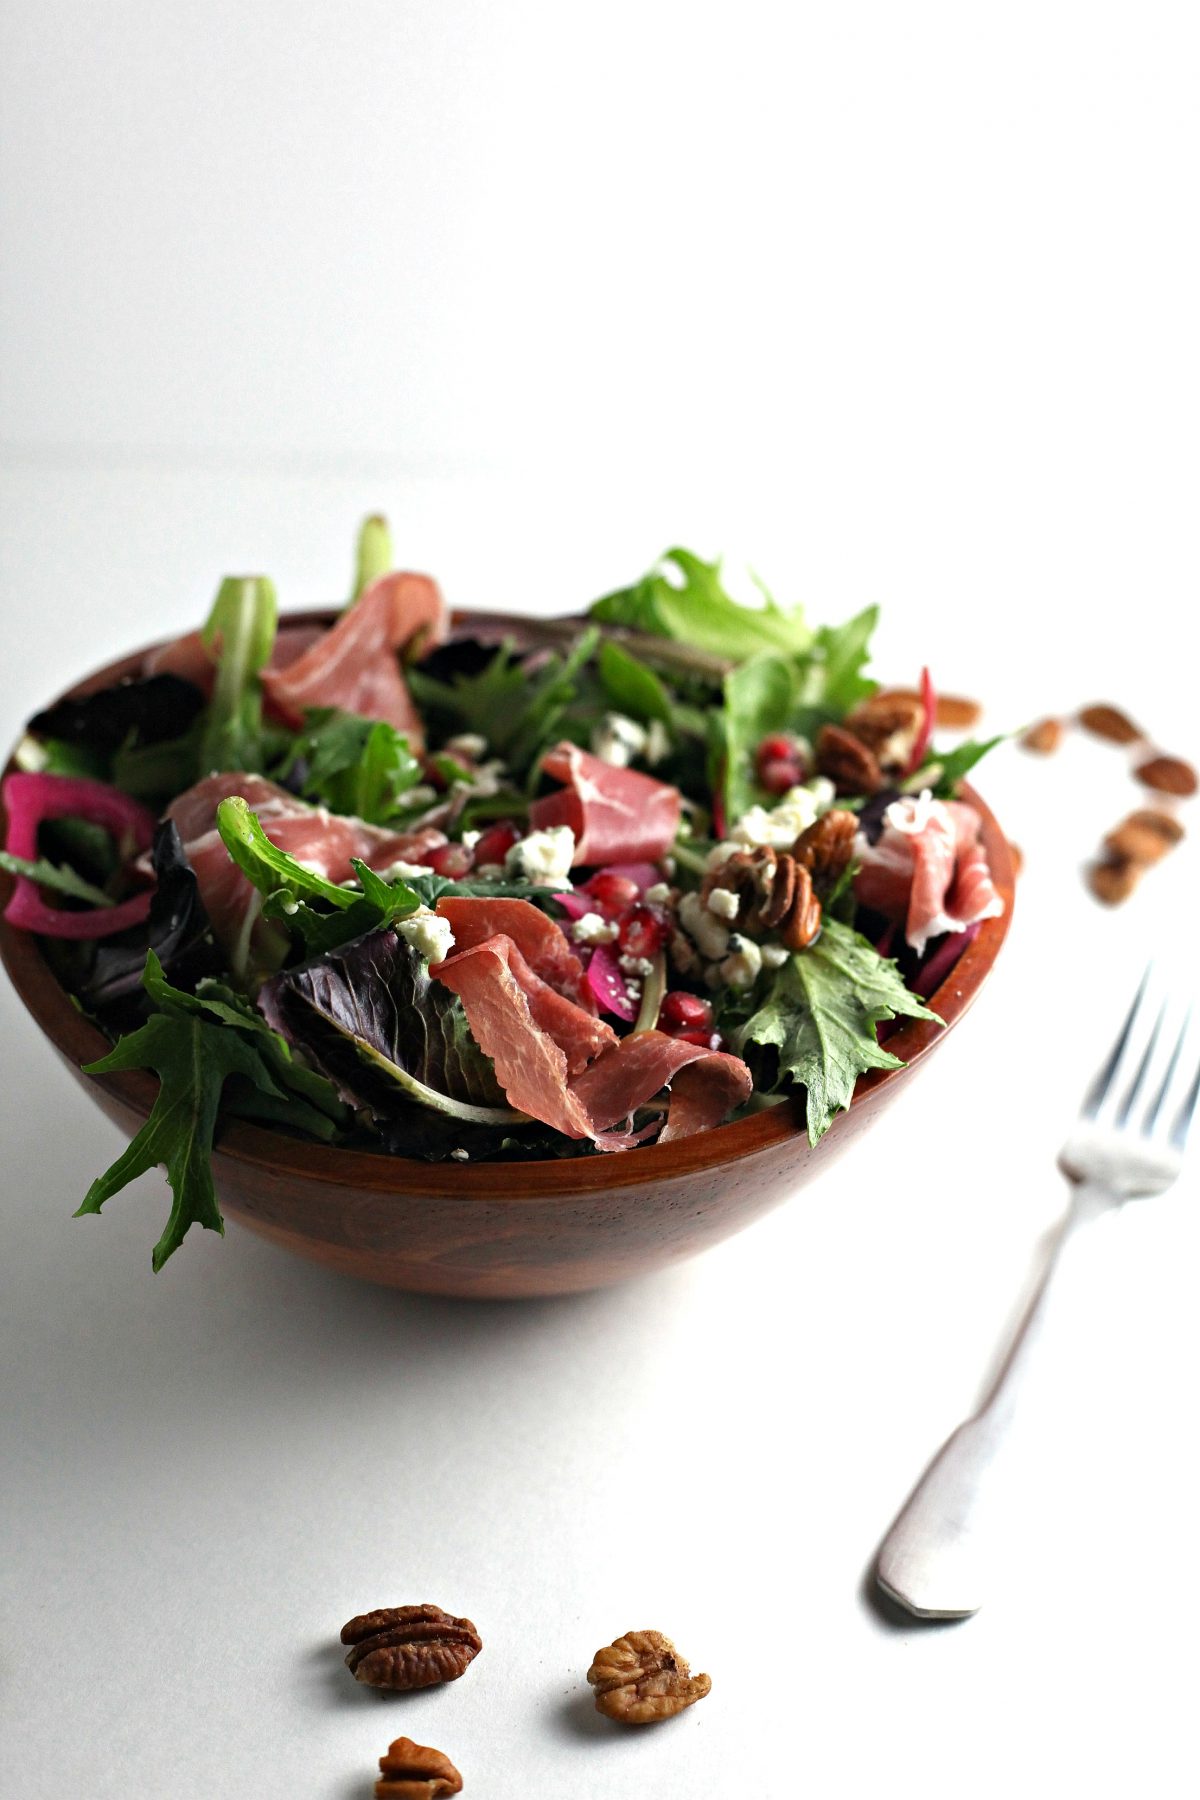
[149, 711]
[368, 1016]
[177, 930]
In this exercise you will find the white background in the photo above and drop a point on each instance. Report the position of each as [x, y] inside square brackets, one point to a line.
[900, 304]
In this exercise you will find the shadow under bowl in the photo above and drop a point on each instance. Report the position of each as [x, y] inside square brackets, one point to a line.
[509, 1230]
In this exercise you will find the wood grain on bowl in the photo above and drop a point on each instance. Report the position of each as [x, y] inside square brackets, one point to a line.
[509, 1230]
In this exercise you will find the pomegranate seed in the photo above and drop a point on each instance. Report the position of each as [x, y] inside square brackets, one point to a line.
[684, 1012]
[452, 860]
[780, 774]
[497, 841]
[707, 1040]
[779, 748]
[643, 930]
[611, 894]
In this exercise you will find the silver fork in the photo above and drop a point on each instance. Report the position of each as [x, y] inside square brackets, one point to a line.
[1128, 1142]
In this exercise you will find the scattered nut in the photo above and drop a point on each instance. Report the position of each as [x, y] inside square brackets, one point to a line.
[1109, 722]
[1144, 837]
[641, 1678]
[826, 848]
[1167, 774]
[414, 1772]
[954, 712]
[1044, 737]
[1113, 881]
[403, 1647]
[804, 921]
[847, 761]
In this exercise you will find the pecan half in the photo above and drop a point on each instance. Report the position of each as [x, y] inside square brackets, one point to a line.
[1109, 722]
[763, 880]
[1144, 837]
[1043, 738]
[888, 724]
[852, 767]
[804, 921]
[404, 1647]
[826, 848]
[415, 1772]
[1167, 774]
[641, 1678]
[1113, 881]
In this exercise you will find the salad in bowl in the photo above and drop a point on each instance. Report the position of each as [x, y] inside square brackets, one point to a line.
[492, 894]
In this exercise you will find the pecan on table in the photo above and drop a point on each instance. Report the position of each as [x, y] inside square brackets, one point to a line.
[850, 764]
[404, 1647]
[889, 724]
[1109, 722]
[827, 848]
[414, 1772]
[642, 1678]
[1168, 775]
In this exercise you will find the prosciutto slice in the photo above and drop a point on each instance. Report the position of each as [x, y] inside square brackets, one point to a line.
[190, 657]
[568, 1069]
[617, 815]
[928, 869]
[353, 665]
[543, 944]
[323, 841]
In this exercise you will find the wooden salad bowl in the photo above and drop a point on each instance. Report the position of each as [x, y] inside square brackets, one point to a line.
[509, 1230]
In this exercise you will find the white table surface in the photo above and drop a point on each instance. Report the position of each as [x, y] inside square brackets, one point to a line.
[897, 302]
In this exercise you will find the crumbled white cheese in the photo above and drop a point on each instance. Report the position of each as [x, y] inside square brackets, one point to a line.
[470, 839]
[823, 792]
[461, 1155]
[544, 856]
[774, 956]
[592, 929]
[421, 795]
[467, 744]
[489, 871]
[659, 894]
[708, 934]
[658, 742]
[617, 739]
[668, 866]
[641, 966]
[782, 825]
[725, 904]
[743, 965]
[428, 933]
[400, 871]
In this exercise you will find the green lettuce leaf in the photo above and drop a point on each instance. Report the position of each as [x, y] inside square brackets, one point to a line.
[945, 769]
[518, 712]
[630, 687]
[241, 629]
[835, 682]
[373, 554]
[760, 697]
[820, 1016]
[58, 876]
[352, 765]
[683, 598]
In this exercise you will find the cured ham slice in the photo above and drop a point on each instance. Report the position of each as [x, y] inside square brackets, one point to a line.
[617, 815]
[543, 944]
[190, 658]
[537, 1045]
[928, 869]
[323, 841]
[353, 665]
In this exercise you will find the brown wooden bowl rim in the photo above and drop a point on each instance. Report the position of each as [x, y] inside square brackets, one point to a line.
[79, 1040]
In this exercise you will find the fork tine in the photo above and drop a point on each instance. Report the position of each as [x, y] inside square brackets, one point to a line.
[1098, 1091]
[1127, 1104]
[1183, 1117]
[1164, 1086]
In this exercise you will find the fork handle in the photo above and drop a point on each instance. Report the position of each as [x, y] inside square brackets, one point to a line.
[934, 1558]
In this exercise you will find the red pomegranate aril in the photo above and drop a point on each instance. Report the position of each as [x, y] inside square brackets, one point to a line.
[643, 930]
[496, 842]
[611, 894]
[684, 1012]
[707, 1040]
[779, 748]
[452, 860]
[778, 775]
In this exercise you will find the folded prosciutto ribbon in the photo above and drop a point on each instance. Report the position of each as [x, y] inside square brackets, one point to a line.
[928, 869]
[518, 978]
[617, 815]
[351, 665]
